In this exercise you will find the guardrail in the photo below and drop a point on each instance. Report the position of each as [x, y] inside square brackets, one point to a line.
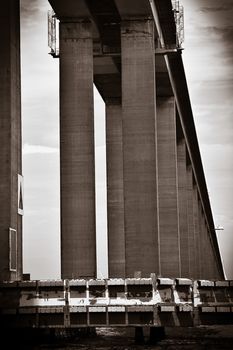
[115, 302]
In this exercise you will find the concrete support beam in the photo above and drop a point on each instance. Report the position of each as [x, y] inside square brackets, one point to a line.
[10, 137]
[168, 188]
[78, 240]
[183, 212]
[115, 193]
[191, 238]
[139, 146]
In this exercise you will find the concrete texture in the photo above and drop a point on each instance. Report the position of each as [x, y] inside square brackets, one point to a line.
[115, 193]
[196, 230]
[183, 212]
[179, 85]
[78, 241]
[10, 135]
[202, 233]
[168, 188]
[139, 146]
[191, 221]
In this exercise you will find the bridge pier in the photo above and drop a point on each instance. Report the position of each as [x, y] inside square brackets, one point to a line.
[139, 146]
[11, 205]
[191, 238]
[183, 212]
[78, 241]
[115, 191]
[196, 229]
[168, 188]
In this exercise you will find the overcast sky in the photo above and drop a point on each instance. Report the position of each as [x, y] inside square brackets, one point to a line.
[208, 59]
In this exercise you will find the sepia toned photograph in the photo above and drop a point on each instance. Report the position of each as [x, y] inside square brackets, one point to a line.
[116, 185]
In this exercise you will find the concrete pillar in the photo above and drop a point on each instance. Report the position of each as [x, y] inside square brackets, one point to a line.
[168, 188]
[212, 261]
[192, 261]
[208, 257]
[139, 147]
[115, 194]
[196, 230]
[78, 240]
[202, 232]
[183, 212]
[206, 270]
[10, 137]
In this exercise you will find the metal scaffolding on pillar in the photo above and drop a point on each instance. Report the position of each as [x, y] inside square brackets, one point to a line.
[179, 20]
[53, 34]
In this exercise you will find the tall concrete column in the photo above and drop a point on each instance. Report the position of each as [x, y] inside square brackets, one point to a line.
[209, 258]
[202, 232]
[196, 229]
[139, 146]
[10, 140]
[183, 212]
[168, 188]
[115, 193]
[191, 237]
[78, 239]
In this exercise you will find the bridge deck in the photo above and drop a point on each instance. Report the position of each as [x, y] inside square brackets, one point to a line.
[116, 302]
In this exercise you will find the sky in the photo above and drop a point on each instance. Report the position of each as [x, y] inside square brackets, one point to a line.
[208, 61]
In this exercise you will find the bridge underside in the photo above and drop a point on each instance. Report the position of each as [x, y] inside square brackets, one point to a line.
[159, 216]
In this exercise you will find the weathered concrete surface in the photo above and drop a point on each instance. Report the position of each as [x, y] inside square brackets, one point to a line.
[168, 188]
[201, 246]
[191, 237]
[196, 231]
[10, 135]
[115, 192]
[70, 8]
[139, 147]
[183, 214]
[78, 247]
[179, 84]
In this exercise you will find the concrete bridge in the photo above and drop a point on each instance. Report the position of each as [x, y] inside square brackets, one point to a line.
[159, 214]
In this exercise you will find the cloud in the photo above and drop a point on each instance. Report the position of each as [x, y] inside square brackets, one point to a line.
[225, 7]
[30, 8]
[38, 149]
[225, 33]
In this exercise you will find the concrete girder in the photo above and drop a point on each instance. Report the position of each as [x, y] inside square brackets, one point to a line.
[70, 8]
